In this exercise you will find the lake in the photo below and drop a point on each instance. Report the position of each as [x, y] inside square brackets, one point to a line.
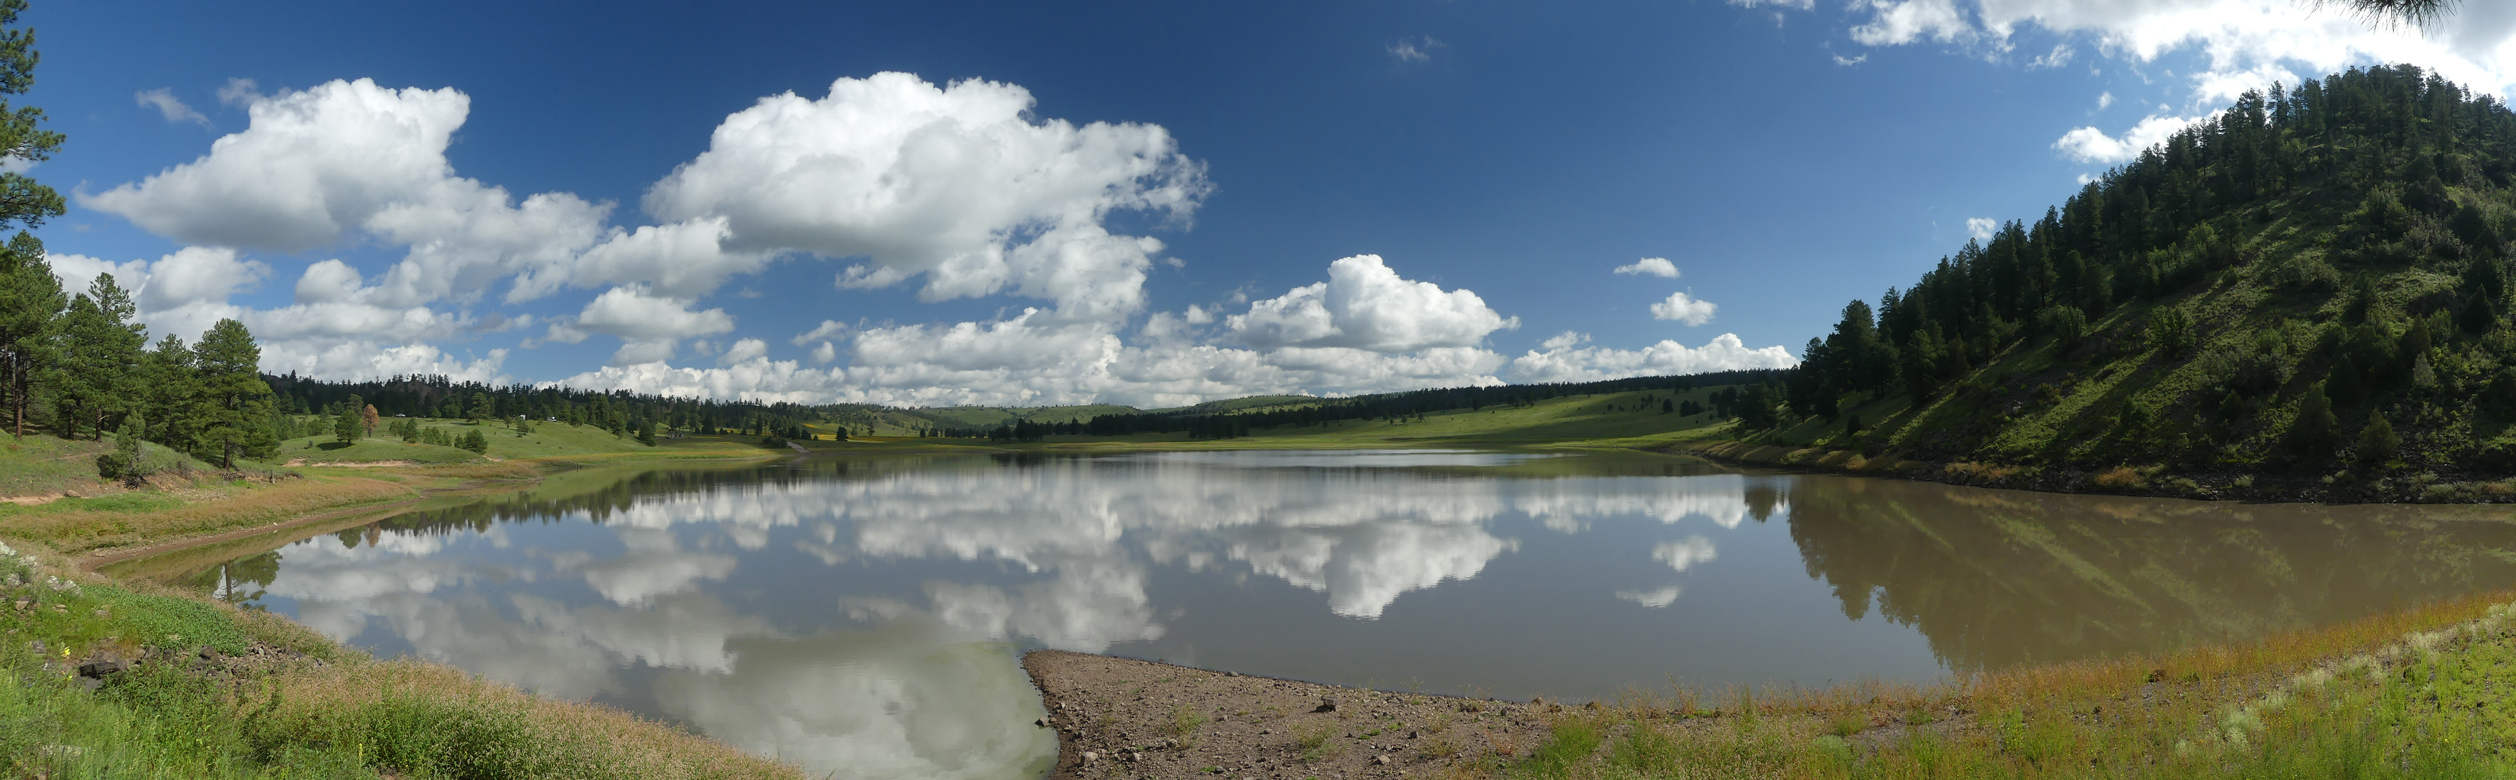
[864, 616]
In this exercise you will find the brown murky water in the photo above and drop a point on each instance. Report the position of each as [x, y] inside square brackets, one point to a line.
[861, 615]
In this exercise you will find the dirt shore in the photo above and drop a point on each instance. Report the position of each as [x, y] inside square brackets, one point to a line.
[1123, 718]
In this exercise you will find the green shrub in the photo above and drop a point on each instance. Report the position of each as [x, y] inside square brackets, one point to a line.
[2377, 442]
[2312, 435]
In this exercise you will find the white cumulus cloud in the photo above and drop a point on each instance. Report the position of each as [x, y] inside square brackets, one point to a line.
[2091, 145]
[957, 183]
[1683, 308]
[1366, 305]
[347, 158]
[743, 351]
[1654, 266]
[632, 314]
[1572, 363]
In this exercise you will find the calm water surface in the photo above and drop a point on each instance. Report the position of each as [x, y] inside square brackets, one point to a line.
[863, 616]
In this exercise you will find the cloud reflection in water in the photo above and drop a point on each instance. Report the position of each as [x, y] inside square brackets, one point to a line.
[646, 598]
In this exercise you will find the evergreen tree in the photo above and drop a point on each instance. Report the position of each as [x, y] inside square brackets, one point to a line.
[1758, 408]
[367, 418]
[126, 461]
[30, 300]
[2377, 442]
[480, 408]
[349, 424]
[173, 392]
[30, 297]
[2312, 435]
[96, 358]
[236, 406]
[22, 137]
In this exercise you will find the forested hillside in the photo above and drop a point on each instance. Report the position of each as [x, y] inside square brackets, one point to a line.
[2315, 280]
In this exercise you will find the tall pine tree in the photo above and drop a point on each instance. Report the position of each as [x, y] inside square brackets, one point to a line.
[30, 300]
[173, 395]
[236, 419]
[97, 358]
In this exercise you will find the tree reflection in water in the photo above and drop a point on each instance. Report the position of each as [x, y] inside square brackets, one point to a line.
[1999, 578]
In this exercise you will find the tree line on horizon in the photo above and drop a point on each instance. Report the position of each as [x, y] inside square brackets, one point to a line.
[1209, 421]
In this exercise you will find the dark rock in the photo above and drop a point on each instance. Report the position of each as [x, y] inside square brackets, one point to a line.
[103, 666]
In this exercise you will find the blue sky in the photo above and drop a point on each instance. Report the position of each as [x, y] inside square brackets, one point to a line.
[1339, 197]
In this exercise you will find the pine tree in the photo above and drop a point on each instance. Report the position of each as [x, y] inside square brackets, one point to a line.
[173, 392]
[22, 137]
[30, 301]
[349, 424]
[97, 357]
[125, 462]
[2377, 442]
[367, 418]
[2312, 435]
[236, 406]
[480, 409]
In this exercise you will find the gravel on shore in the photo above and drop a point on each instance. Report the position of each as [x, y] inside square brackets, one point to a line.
[1124, 718]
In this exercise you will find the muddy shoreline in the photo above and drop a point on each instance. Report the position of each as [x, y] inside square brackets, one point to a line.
[1119, 717]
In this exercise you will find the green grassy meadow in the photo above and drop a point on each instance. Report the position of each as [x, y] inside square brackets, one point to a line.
[41, 465]
[504, 444]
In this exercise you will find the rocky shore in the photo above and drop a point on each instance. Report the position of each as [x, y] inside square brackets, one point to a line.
[1118, 717]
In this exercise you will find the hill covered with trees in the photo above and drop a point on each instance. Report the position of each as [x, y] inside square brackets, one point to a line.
[2312, 282]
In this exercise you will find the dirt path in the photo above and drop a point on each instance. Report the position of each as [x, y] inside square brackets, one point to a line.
[1117, 717]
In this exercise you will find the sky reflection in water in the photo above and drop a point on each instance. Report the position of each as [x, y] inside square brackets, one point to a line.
[862, 615]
